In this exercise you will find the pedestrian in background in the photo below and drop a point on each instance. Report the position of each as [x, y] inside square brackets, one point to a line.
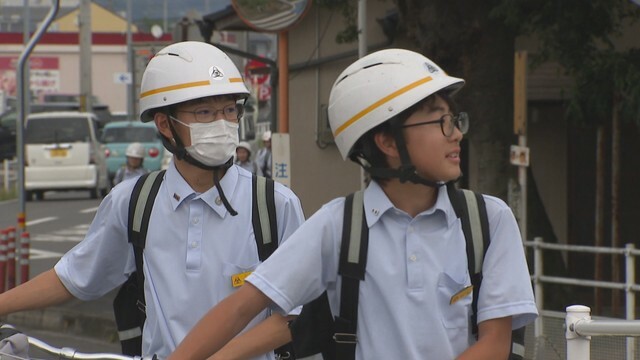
[200, 241]
[392, 113]
[243, 158]
[264, 155]
[132, 168]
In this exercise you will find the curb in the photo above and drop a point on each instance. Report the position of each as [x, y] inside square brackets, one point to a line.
[65, 321]
[92, 319]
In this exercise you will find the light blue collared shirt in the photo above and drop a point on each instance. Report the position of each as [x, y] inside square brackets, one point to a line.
[194, 247]
[414, 267]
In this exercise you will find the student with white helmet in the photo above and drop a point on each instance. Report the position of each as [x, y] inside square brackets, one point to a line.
[200, 236]
[243, 158]
[263, 158]
[392, 113]
[133, 165]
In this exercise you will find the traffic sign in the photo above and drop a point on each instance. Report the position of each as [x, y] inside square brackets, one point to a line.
[257, 72]
[122, 78]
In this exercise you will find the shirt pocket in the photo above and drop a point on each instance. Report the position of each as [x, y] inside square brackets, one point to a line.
[454, 300]
[236, 273]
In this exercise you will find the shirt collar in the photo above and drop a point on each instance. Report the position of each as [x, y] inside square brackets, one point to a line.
[376, 203]
[179, 190]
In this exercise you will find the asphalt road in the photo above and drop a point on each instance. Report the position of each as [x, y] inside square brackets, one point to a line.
[56, 224]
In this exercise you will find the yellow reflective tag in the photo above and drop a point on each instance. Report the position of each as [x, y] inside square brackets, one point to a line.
[237, 280]
[460, 294]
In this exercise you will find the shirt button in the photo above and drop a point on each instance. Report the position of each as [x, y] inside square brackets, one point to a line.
[194, 245]
[218, 200]
[196, 221]
[410, 230]
[413, 258]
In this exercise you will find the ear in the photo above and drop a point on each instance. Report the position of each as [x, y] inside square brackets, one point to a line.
[162, 124]
[387, 144]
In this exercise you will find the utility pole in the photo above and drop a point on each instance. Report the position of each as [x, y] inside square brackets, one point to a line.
[84, 24]
[26, 35]
[130, 66]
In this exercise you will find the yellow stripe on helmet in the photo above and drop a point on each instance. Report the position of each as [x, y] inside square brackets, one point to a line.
[378, 103]
[183, 86]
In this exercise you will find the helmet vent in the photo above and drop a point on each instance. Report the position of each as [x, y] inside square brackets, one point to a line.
[364, 67]
[372, 65]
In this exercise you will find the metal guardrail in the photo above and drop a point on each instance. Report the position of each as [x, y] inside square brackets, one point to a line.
[630, 288]
[580, 327]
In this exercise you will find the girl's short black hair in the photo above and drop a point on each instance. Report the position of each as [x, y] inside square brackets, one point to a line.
[366, 147]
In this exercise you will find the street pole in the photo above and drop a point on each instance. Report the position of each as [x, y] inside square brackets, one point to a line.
[520, 129]
[130, 65]
[84, 23]
[22, 105]
[362, 51]
[26, 34]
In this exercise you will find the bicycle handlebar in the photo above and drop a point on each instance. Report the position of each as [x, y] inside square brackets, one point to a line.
[68, 352]
[71, 353]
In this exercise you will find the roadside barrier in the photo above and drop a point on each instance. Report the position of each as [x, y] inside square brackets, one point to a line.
[25, 244]
[4, 235]
[13, 257]
[580, 328]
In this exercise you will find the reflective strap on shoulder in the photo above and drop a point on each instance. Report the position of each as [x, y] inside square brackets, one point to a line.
[357, 212]
[476, 228]
[261, 198]
[142, 199]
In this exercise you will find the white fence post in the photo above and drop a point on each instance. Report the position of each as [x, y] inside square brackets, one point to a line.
[538, 271]
[630, 267]
[578, 347]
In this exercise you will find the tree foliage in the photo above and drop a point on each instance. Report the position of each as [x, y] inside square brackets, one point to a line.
[580, 36]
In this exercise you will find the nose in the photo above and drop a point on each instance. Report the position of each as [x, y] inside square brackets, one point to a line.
[457, 134]
[219, 115]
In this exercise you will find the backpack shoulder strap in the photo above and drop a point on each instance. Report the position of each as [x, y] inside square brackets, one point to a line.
[353, 262]
[471, 209]
[263, 216]
[140, 205]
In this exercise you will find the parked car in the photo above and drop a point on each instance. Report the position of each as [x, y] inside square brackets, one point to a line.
[62, 152]
[7, 144]
[117, 135]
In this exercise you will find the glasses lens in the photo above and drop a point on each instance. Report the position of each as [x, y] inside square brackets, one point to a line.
[462, 122]
[230, 112]
[446, 124]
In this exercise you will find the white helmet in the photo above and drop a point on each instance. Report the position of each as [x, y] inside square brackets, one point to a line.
[135, 150]
[378, 87]
[266, 136]
[186, 71]
[245, 145]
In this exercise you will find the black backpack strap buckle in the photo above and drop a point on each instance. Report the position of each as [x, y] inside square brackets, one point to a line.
[345, 338]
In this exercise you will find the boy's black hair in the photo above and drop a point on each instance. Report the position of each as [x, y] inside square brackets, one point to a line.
[366, 149]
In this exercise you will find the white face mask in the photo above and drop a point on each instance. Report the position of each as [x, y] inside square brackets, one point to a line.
[212, 143]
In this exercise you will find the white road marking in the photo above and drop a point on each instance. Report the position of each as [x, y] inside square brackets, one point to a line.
[90, 210]
[36, 254]
[42, 220]
[73, 234]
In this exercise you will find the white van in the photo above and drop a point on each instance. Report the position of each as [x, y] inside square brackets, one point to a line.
[62, 152]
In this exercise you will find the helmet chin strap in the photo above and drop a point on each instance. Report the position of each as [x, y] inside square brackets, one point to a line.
[181, 153]
[406, 171]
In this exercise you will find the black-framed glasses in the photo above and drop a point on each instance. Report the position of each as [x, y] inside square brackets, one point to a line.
[231, 112]
[448, 122]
